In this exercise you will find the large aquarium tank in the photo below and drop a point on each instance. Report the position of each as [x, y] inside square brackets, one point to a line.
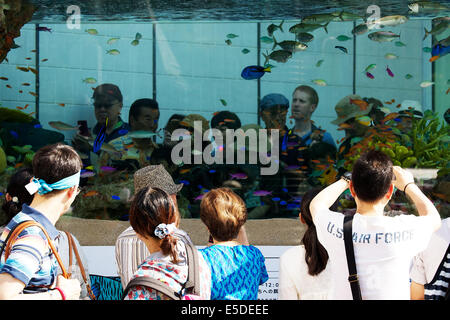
[269, 98]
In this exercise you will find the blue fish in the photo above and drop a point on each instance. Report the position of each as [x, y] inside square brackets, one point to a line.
[185, 182]
[115, 197]
[212, 171]
[276, 199]
[100, 138]
[438, 51]
[38, 126]
[123, 131]
[285, 190]
[283, 203]
[254, 72]
[14, 134]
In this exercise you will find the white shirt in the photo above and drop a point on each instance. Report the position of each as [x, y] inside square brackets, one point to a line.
[384, 247]
[295, 283]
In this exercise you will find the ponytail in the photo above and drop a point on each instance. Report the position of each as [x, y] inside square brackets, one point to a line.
[168, 247]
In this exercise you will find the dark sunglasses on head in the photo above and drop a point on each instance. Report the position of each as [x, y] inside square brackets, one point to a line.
[104, 105]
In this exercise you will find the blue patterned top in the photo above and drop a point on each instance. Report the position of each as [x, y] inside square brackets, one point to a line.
[236, 272]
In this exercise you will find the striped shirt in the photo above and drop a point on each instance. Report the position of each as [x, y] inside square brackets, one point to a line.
[31, 260]
[130, 253]
[437, 288]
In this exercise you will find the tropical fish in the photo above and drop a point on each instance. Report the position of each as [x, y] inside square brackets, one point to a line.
[360, 29]
[115, 197]
[276, 199]
[343, 49]
[138, 36]
[369, 75]
[24, 149]
[228, 42]
[440, 49]
[44, 29]
[370, 67]
[112, 40]
[33, 70]
[113, 52]
[278, 56]
[389, 71]
[239, 176]
[365, 120]
[292, 167]
[426, 49]
[107, 169]
[100, 138]
[426, 7]
[90, 80]
[273, 27]
[304, 37]
[438, 29]
[265, 39]
[232, 36]
[343, 37]
[245, 51]
[289, 45]
[388, 21]
[261, 193]
[4, 78]
[408, 76]
[223, 102]
[44, 60]
[319, 82]
[319, 63]
[8, 86]
[87, 174]
[347, 16]
[360, 103]
[390, 56]
[91, 31]
[306, 27]
[135, 42]
[58, 125]
[141, 134]
[200, 197]
[425, 84]
[91, 194]
[383, 36]
[22, 69]
[400, 44]
[34, 94]
[61, 104]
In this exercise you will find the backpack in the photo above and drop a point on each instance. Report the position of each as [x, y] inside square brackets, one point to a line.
[191, 288]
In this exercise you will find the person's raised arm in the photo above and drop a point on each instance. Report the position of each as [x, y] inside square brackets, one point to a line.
[404, 181]
[328, 196]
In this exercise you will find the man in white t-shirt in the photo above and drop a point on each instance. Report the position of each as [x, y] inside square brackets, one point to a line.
[384, 246]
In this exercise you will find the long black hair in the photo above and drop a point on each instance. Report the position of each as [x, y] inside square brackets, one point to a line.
[316, 255]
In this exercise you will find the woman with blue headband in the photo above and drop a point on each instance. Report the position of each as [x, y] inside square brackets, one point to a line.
[28, 269]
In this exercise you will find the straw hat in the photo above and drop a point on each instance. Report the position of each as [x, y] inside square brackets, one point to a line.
[346, 110]
[155, 176]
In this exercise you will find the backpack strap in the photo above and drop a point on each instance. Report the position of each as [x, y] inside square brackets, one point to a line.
[192, 284]
[152, 284]
[14, 233]
[348, 242]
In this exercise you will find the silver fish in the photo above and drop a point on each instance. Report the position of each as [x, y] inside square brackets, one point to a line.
[273, 27]
[383, 36]
[319, 18]
[59, 125]
[304, 37]
[278, 56]
[306, 27]
[426, 7]
[388, 21]
[437, 29]
[142, 134]
[346, 16]
[289, 45]
[360, 29]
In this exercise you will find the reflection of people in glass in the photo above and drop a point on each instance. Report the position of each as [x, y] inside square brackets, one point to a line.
[350, 112]
[108, 102]
[306, 142]
[172, 124]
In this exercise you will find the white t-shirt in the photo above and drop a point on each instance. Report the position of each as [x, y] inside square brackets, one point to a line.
[384, 247]
[295, 283]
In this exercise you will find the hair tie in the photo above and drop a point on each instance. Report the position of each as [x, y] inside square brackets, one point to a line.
[15, 199]
[163, 230]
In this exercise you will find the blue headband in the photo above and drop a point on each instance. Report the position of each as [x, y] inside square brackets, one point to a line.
[42, 187]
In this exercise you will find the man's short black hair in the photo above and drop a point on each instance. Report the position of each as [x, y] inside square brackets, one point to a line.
[136, 107]
[372, 176]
